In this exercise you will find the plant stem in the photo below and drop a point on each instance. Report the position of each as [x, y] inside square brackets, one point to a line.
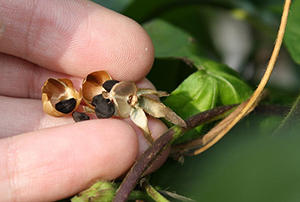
[155, 195]
[158, 146]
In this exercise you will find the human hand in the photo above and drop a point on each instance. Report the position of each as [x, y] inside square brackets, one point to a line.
[64, 39]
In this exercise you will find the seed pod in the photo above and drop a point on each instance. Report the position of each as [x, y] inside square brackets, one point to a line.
[92, 86]
[104, 108]
[59, 97]
[107, 85]
[124, 97]
[80, 116]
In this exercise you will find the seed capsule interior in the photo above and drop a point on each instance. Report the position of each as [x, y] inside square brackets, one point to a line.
[92, 86]
[59, 97]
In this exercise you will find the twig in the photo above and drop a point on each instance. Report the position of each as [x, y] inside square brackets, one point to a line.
[158, 146]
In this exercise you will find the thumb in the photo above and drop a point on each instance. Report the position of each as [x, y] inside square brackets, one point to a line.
[58, 162]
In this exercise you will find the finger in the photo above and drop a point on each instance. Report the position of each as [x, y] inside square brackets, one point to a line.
[20, 78]
[157, 129]
[55, 163]
[24, 115]
[75, 37]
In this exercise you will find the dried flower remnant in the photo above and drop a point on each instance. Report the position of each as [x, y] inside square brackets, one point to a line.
[59, 97]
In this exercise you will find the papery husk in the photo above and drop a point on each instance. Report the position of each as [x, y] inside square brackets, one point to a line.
[159, 110]
[92, 86]
[139, 118]
[124, 97]
[56, 90]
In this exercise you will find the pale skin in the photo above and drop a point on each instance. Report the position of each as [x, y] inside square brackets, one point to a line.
[45, 158]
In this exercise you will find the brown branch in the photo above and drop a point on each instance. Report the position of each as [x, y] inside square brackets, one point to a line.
[159, 145]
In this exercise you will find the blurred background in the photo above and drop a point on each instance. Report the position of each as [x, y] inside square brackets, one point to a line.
[252, 163]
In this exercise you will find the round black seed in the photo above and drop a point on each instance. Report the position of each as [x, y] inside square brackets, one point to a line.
[104, 108]
[107, 85]
[66, 106]
[80, 116]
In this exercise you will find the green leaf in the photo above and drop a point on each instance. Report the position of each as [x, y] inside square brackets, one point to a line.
[249, 164]
[292, 36]
[291, 122]
[169, 41]
[212, 85]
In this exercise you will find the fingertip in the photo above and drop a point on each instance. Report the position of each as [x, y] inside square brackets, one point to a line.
[64, 160]
[109, 41]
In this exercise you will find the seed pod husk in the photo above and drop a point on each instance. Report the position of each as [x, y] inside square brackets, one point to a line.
[124, 97]
[159, 110]
[92, 86]
[59, 97]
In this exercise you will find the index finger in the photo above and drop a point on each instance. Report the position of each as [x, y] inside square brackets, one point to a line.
[75, 37]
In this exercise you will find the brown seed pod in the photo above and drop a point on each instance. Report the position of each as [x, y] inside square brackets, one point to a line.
[59, 97]
[92, 86]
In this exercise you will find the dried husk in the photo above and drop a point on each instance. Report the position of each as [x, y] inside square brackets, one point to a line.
[124, 97]
[56, 90]
[92, 86]
[139, 118]
[159, 110]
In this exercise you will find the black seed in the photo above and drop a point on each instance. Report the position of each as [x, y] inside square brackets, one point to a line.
[104, 108]
[107, 85]
[66, 106]
[80, 116]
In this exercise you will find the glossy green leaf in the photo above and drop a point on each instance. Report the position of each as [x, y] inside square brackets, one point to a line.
[248, 164]
[292, 36]
[212, 85]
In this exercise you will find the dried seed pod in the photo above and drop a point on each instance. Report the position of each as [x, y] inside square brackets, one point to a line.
[80, 116]
[107, 85]
[104, 108]
[92, 86]
[59, 97]
[124, 97]
[159, 110]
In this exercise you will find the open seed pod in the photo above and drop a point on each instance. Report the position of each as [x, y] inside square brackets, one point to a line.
[124, 97]
[92, 86]
[59, 97]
